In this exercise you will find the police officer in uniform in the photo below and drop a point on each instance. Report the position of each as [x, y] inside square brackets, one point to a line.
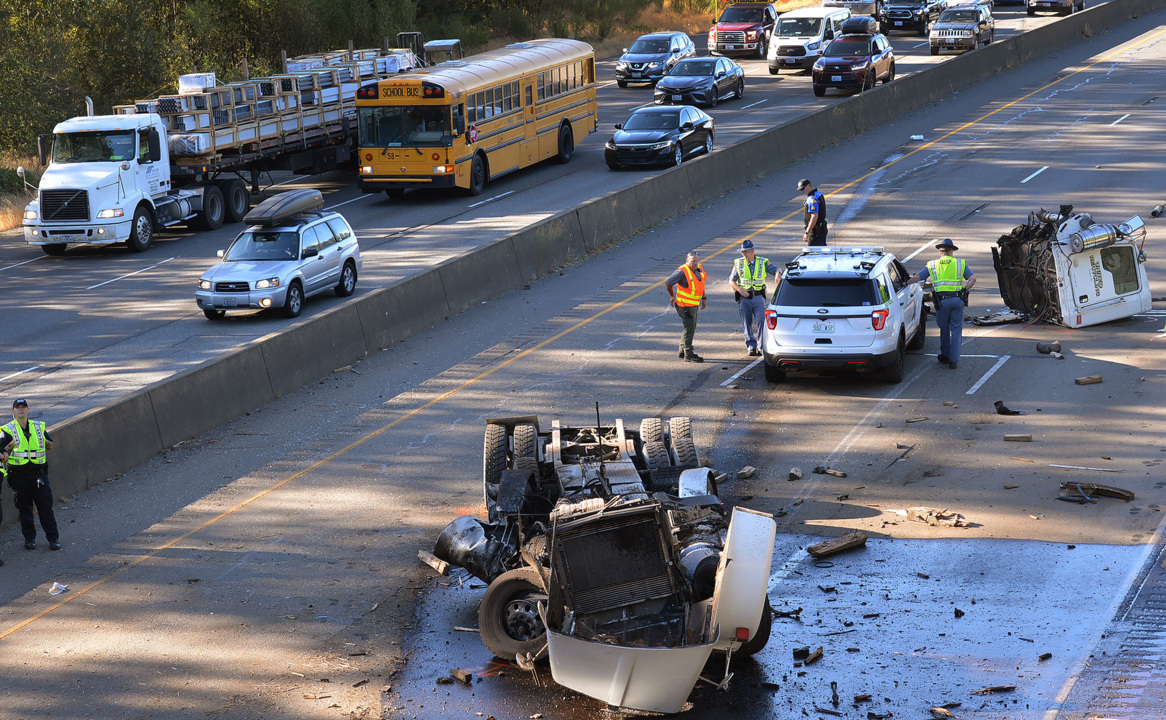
[686, 288]
[951, 278]
[815, 214]
[748, 282]
[26, 443]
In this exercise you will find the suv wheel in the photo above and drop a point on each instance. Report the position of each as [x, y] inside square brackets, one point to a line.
[920, 336]
[819, 91]
[773, 373]
[893, 373]
[293, 304]
[347, 284]
[890, 74]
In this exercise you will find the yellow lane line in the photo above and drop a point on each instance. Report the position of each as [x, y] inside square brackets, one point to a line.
[506, 363]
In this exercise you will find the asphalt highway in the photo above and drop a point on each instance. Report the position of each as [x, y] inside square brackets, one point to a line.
[99, 323]
[268, 569]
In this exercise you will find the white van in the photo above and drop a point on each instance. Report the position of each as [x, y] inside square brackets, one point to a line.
[800, 35]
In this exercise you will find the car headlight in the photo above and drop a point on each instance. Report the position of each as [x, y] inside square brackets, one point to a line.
[111, 213]
[860, 65]
[266, 283]
[204, 284]
[966, 33]
[819, 63]
[662, 145]
[656, 64]
[610, 145]
[30, 214]
[813, 46]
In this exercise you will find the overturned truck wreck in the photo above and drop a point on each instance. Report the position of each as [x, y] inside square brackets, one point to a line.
[607, 550]
[1067, 269]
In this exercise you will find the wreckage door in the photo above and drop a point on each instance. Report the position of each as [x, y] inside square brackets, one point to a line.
[1099, 276]
[743, 577]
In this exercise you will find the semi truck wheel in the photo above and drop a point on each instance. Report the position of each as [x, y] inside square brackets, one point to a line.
[54, 248]
[141, 231]
[508, 616]
[525, 441]
[213, 208]
[651, 430]
[237, 199]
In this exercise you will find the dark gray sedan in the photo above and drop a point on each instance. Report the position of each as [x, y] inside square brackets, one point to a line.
[660, 136]
[701, 81]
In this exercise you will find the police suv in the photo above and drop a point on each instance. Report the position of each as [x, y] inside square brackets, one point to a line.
[843, 308]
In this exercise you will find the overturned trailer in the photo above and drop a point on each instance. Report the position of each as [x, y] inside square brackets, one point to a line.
[607, 550]
[1068, 269]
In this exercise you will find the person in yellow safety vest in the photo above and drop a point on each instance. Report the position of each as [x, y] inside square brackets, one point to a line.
[686, 288]
[748, 282]
[3, 476]
[25, 445]
[951, 278]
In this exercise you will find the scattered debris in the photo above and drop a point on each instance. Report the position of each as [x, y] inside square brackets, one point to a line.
[949, 403]
[1001, 409]
[360, 683]
[346, 368]
[444, 680]
[814, 656]
[997, 317]
[324, 697]
[925, 576]
[770, 686]
[827, 712]
[801, 653]
[1022, 459]
[837, 545]
[795, 614]
[917, 138]
[843, 496]
[942, 712]
[959, 613]
[1011, 486]
[58, 588]
[834, 693]
[1047, 348]
[827, 588]
[871, 715]
[1057, 355]
[1018, 437]
[746, 472]
[1091, 489]
[822, 470]
[795, 473]
[720, 477]
[1044, 656]
[462, 676]
[459, 628]
[1088, 380]
[934, 516]
[994, 689]
[441, 566]
[917, 419]
[861, 698]
[870, 616]
[1080, 467]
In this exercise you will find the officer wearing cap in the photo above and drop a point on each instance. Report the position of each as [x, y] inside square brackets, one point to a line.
[748, 282]
[951, 278]
[24, 446]
[815, 214]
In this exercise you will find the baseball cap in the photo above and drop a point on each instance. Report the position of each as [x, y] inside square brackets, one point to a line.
[803, 183]
[19, 401]
[747, 245]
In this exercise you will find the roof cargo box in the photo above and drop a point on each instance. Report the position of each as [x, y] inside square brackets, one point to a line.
[275, 210]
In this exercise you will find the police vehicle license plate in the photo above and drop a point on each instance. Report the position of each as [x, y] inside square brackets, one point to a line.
[835, 78]
[823, 326]
[676, 98]
[231, 302]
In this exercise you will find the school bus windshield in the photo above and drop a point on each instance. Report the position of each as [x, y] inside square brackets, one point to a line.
[403, 126]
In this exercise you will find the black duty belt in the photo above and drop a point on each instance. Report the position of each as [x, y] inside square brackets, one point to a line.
[944, 295]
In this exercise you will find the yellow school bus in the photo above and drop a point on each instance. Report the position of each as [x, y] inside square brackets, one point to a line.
[464, 122]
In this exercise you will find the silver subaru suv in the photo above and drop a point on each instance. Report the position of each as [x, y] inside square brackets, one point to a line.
[843, 308]
[291, 251]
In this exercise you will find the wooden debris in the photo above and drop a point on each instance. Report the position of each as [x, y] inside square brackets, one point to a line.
[823, 470]
[1044, 656]
[948, 403]
[1088, 380]
[823, 710]
[936, 517]
[746, 472]
[1022, 459]
[465, 678]
[316, 697]
[837, 545]
[942, 712]
[994, 689]
[459, 628]
[917, 419]
[1011, 486]
[861, 698]
[342, 369]
[1092, 489]
[801, 653]
[441, 566]
[1018, 437]
[925, 576]
[795, 473]
[814, 656]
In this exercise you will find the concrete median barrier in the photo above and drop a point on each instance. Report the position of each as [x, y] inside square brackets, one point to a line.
[312, 349]
[483, 274]
[402, 309]
[664, 196]
[609, 219]
[96, 445]
[548, 245]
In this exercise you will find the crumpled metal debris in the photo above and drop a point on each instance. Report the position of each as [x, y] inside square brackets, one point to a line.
[998, 317]
[934, 516]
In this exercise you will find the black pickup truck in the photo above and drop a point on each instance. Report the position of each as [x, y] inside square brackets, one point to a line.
[914, 15]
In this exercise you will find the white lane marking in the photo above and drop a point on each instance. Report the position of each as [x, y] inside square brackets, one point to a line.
[1038, 172]
[755, 104]
[743, 370]
[980, 383]
[925, 42]
[1082, 467]
[496, 197]
[861, 196]
[19, 372]
[9, 267]
[285, 182]
[1123, 117]
[606, 84]
[362, 197]
[135, 272]
[922, 247]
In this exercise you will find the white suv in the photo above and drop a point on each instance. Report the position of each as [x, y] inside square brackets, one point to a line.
[840, 307]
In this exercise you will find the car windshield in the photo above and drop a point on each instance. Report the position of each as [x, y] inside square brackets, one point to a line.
[693, 68]
[741, 15]
[264, 245]
[403, 126]
[958, 16]
[825, 292]
[793, 27]
[653, 121]
[82, 147]
[649, 46]
[849, 47]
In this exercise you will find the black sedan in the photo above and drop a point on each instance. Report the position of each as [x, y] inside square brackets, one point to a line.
[660, 136]
[701, 81]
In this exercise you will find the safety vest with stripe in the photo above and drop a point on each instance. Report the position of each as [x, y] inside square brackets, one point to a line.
[947, 273]
[751, 278]
[30, 449]
[691, 295]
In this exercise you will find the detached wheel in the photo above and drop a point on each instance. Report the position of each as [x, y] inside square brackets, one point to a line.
[657, 455]
[213, 208]
[683, 449]
[566, 144]
[347, 284]
[141, 231]
[477, 176]
[54, 248]
[212, 314]
[759, 640]
[293, 304]
[508, 616]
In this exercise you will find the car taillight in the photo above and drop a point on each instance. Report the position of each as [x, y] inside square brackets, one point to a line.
[878, 319]
[771, 319]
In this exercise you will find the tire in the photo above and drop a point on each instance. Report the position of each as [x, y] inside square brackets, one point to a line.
[678, 154]
[651, 430]
[395, 193]
[893, 373]
[708, 144]
[773, 71]
[740, 91]
[528, 465]
[657, 456]
[758, 642]
[773, 373]
[54, 248]
[679, 427]
[683, 449]
[819, 91]
[622, 83]
[923, 29]
[236, 199]
[347, 284]
[1031, 13]
[991, 37]
[934, 50]
[212, 314]
[141, 230]
[566, 144]
[293, 304]
[508, 616]
[920, 336]
[525, 442]
[613, 166]
[714, 98]
[890, 75]
[762, 50]
[494, 451]
[214, 208]
[477, 176]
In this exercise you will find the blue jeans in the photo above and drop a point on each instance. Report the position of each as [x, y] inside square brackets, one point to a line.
[752, 311]
[950, 318]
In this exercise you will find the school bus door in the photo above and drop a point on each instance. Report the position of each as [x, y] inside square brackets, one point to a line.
[530, 142]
